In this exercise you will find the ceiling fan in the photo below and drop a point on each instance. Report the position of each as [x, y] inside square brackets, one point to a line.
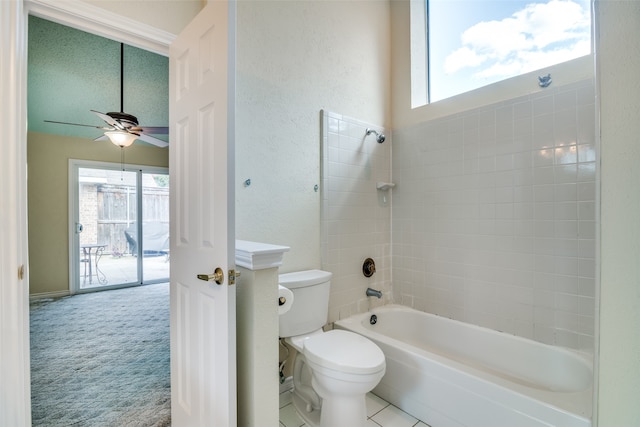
[123, 128]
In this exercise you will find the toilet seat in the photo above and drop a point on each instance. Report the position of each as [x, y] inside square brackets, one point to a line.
[298, 341]
[344, 351]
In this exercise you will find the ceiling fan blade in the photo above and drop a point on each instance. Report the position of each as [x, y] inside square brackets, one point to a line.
[78, 124]
[153, 141]
[102, 137]
[154, 130]
[108, 119]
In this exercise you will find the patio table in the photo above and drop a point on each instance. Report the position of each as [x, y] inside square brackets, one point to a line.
[94, 251]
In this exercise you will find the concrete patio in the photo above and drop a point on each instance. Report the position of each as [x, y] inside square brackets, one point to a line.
[123, 270]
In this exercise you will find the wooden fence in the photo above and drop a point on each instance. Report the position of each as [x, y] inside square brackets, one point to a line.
[114, 211]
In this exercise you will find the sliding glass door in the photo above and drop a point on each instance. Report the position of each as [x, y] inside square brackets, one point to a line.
[155, 226]
[119, 221]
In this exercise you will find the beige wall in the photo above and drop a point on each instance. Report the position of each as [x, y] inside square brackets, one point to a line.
[618, 53]
[294, 59]
[48, 199]
[168, 15]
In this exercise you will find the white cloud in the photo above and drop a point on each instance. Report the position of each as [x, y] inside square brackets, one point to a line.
[463, 57]
[539, 35]
[496, 38]
[502, 68]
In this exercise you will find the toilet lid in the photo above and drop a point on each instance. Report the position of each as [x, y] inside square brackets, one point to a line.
[344, 351]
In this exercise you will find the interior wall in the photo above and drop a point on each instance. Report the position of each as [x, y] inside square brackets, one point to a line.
[48, 199]
[443, 161]
[617, 297]
[494, 216]
[294, 59]
[618, 66]
[168, 15]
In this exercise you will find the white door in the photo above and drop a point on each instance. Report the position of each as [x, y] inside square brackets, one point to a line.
[201, 99]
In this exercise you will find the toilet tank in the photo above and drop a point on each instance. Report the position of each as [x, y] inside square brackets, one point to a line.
[310, 307]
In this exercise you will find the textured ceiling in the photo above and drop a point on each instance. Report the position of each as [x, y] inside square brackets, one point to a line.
[71, 72]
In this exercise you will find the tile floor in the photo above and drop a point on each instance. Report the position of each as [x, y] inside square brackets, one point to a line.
[380, 413]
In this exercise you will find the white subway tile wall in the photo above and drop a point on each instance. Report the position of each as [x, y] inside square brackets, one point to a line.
[356, 217]
[494, 216]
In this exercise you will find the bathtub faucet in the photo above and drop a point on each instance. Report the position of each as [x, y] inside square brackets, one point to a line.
[373, 293]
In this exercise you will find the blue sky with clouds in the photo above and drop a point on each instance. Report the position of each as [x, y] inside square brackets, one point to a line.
[477, 42]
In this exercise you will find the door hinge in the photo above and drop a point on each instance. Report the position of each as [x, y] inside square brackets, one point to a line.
[232, 276]
[21, 272]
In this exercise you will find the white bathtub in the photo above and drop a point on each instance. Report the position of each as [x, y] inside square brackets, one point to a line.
[451, 374]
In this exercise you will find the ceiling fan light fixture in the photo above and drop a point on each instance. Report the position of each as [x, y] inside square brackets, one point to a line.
[121, 138]
[123, 128]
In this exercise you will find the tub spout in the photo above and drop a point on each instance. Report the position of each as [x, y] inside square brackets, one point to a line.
[373, 293]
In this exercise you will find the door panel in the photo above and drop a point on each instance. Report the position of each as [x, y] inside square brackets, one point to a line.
[107, 210]
[202, 312]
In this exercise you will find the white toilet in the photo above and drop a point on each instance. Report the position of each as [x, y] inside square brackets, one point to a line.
[333, 370]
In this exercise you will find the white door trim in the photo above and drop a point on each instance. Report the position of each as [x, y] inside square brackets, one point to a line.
[15, 390]
[92, 19]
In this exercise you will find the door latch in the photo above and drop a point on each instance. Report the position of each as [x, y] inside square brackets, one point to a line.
[232, 276]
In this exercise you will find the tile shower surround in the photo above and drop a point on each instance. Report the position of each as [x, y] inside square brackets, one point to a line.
[494, 216]
[355, 218]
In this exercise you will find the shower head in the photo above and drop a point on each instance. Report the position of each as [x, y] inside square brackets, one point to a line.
[379, 136]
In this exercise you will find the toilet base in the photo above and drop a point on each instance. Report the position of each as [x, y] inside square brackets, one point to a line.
[344, 411]
[312, 419]
[338, 412]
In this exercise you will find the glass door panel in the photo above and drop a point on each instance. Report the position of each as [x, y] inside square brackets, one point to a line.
[155, 227]
[107, 211]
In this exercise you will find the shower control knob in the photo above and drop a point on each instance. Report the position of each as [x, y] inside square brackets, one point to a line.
[369, 267]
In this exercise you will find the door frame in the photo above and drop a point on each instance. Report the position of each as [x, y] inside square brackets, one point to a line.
[74, 247]
[92, 19]
[15, 392]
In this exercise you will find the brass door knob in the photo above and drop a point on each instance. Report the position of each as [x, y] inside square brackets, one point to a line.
[217, 276]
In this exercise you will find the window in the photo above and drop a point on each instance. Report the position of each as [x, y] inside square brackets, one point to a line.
[473, 43]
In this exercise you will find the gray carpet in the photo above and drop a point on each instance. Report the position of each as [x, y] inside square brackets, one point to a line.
[102, 359]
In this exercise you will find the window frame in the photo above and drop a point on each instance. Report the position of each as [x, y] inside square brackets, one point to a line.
[569, 71]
